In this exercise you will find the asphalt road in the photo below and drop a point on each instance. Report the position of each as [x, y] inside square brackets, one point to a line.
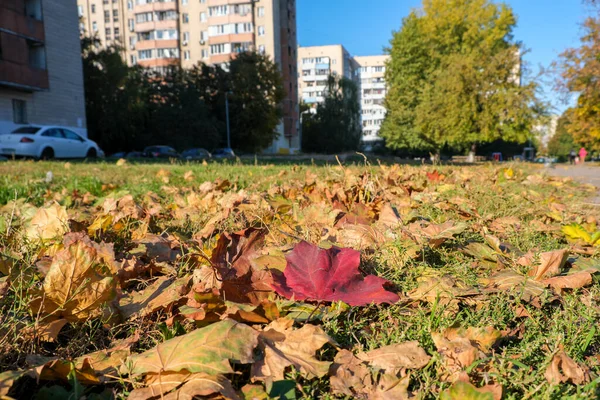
[581, 173]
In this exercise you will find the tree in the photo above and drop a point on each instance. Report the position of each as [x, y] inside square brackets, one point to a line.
[115, 97]
[335, 127]
[561, 144]
[454, 78]
[579, 75]
[255, 101]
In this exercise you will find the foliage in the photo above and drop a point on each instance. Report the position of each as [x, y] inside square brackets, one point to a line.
[181, 108]
[578, 76]
[454, 78]
[562, 143]
[335, 126]
[157, 281]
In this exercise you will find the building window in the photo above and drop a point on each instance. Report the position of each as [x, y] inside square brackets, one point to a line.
[203, 36]
[95, 26]
[131, 25]
[261, 11]
[145, 54]
[186, 38]
[117, 34]
[261, 49]
[106, 17]
[133, 60]
[19, 111]
[93, 9]
[168, 53]
[107, 32]
[143, 17]
[204, 53]
[218, 11]
[130, 6]
[202, 17]
[218, 49]
[186, 55]
[116, 15]
[185, 18]
[184, 2]
[202, 1]
[261, 31]
[80, 11]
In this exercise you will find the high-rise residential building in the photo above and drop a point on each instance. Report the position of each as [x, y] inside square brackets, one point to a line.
[316, 63]
[372, 90]
[41, 75]
[160, 33]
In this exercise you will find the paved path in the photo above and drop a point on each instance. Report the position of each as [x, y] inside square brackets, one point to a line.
[584, 174]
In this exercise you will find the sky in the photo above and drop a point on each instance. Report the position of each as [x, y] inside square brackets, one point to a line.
[546, 28]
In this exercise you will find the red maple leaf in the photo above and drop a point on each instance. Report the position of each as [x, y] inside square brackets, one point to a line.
[317, 274]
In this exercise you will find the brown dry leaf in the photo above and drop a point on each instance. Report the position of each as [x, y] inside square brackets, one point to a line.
[504, 224]
[76, 285]
[575, 280]
[48, 332]
[436, 234]
[563, 369]
[483, 338]
[457, 354]
[551, 264]
[205, 279]
[204, 385]
[389, 217]
[351, 377]
[4, 286]
[521, 286]
[360, 236]
[48, 223]
[394, 358]
[444, 289]
[163, 293]
[283, 346]
[158, 248]
[188, 176]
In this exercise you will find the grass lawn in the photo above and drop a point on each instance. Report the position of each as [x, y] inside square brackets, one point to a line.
[157, 280]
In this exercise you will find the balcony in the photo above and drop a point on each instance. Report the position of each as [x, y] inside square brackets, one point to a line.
[232, 38]
[156, 25]
[156, 44]
[224, 2]
[157, 6]
[23, 77]
[21, 24]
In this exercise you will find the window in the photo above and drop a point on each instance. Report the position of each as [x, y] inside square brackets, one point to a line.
[133, 60]
[202, 1]
[106, 17]
[378, 69]
[184, 2]
[261, 11]
[261, 49]
[143, 17]
[186, 37]
[218, 11]
[261, 31]
[94, 26]
[168, 53]
[71, 135]
[204, 53]
[117, 34]
[80, 11]
[130, 5]
[145, 54]
[131, 24]
[166, 15]
[218, 49]
[54, 133]
[116, 15]
[19, 111]
[203, 36]
[93, 9]
[186, 55]
[202, 17]
[185, 18]
[107, 32]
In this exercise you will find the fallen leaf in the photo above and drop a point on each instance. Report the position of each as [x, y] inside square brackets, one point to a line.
[521, 286]
[206, 350]
[394, 358]
[283, 346]
[466, 391]
[163, 293]
[48, 223]
[575, 280]
[330, 275]
[563, 369]
[551, 264]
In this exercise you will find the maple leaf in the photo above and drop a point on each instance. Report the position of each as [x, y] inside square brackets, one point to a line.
[48, 223]
[563, 369]
[317, 274]
[205, 350]
[395, 357]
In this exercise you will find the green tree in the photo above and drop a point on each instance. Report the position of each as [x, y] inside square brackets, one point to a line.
[454, 79]
[335, 127]
[579, 76]
[255, 101]
[561, 144]
[116, 97]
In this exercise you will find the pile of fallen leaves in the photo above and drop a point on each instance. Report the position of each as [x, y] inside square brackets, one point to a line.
[209, 290]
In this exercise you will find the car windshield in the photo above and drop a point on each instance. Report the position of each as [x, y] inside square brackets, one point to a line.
[26, 130]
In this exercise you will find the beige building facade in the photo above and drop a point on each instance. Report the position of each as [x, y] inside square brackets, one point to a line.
[316, 63]
[160, 33]
[372, 89]
[41, 75]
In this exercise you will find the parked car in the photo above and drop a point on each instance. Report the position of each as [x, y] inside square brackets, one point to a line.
[134, 154]
[196, 155]
[160, 152]
[223, 153]
[47, 142]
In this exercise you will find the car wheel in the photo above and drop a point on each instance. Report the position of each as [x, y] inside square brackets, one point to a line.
[92, 153]
[47, 154]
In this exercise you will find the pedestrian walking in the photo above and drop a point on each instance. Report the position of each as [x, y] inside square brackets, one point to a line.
[582, 155]
[572, 156]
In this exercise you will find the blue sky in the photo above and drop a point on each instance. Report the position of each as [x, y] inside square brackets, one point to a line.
[546, 27]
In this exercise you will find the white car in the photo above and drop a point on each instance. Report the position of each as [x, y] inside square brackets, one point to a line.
[47, 142]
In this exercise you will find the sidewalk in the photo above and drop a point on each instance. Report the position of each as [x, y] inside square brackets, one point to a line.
[584, 174]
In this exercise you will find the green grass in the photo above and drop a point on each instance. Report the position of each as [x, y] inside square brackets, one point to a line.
[518, 363]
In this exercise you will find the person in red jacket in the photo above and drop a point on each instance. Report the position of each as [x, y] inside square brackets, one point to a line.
[582, 155]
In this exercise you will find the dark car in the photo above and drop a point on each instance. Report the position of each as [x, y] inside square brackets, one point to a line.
[160, 152]
[223, 153]
[196, 155]
[134, 154]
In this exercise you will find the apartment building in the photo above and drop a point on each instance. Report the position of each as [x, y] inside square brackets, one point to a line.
[41, 76]
[160, 33]
[316, 63]
[372, 89]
